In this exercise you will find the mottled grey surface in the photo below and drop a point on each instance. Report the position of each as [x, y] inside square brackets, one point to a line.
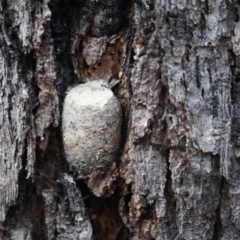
[178, 63]
[180, 156]
[68, 218]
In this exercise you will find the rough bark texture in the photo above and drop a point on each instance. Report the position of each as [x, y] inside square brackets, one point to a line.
[175, 70]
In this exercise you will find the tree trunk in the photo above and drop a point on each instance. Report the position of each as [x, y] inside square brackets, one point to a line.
[175, 70]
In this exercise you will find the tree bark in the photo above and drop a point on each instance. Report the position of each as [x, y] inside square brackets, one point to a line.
[175, 70]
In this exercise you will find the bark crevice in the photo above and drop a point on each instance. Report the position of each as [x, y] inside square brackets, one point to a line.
[170, 219]
[217, 231]
[104, 214]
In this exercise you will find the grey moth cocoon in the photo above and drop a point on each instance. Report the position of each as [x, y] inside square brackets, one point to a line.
[91, 125]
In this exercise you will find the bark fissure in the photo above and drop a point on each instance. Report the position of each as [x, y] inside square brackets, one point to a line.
[170, 220]
[217, 233]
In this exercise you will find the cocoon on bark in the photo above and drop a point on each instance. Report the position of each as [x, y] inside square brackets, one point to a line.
[91, 125]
